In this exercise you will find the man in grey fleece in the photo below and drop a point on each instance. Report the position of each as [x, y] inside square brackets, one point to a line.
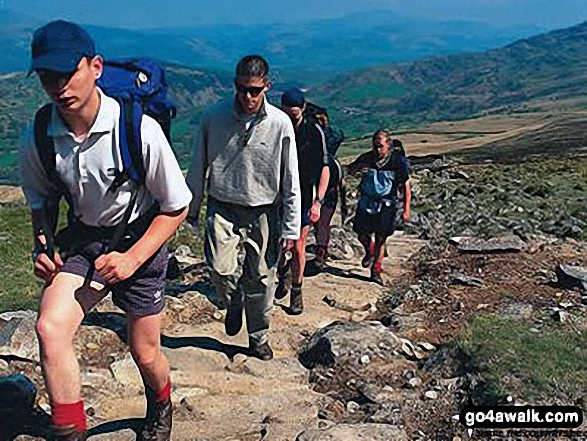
[246, 153]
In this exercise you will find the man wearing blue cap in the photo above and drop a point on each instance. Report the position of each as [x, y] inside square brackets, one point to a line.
[313, 165]
[83, 127]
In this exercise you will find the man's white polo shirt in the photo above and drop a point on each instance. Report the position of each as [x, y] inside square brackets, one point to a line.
[87, 168]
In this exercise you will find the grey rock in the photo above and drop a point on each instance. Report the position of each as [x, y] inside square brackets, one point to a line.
[461, 279]
[17, 335]
[431, 395]
[414, 383]
[388, 413]
[572, 276]
[126, 372]
[510, 243]
[183, 251]
[349, 339]
[352, 407]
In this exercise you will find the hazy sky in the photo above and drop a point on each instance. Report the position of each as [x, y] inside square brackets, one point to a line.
[149, 13]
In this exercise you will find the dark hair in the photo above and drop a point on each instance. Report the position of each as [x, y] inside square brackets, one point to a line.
[252, 66]
[382, 133]
[396, 144]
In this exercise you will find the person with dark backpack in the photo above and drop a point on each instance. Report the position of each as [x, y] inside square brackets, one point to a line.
[384, 175]
[334, 138]
[126, 193]
[314, 176]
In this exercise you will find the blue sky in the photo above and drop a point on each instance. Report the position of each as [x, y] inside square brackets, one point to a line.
[149, 13]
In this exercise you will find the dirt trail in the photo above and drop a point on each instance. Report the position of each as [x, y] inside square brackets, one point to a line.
[241, 398]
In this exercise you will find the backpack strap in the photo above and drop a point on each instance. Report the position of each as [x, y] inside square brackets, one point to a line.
[45, 146]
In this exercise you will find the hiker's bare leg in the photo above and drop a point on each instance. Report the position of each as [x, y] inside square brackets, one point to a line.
[144, 339]
[60, 315]
[379, 252]
[299, 257]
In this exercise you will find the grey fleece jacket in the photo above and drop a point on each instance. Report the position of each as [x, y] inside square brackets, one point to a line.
[248, 162]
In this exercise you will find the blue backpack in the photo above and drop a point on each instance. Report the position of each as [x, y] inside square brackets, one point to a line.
[377, 188]
[140, 87]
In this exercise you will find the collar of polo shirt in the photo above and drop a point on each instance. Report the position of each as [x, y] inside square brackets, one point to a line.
[105, 121]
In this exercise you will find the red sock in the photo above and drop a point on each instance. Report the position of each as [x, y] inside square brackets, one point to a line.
[163, 394]
[378, 265]
[69, 414]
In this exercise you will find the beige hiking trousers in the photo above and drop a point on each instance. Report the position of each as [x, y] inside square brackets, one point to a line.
[242, 247]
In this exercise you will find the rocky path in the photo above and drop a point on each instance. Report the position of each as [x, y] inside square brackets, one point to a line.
[219, 393]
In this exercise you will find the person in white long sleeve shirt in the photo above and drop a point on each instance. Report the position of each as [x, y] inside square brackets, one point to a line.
[245, 159]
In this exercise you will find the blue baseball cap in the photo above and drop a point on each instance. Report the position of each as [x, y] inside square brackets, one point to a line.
[293, 98]
[59, 46]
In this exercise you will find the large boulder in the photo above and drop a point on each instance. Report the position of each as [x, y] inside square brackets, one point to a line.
[361, 340]
[572, 276]
[17, 335]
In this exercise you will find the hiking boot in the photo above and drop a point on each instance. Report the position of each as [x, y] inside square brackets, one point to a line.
[67, 433]
[261, 351]
[367, 260]
[234, 317]
[296, 301]
[157, 425]
[376, 277]
[280, 290]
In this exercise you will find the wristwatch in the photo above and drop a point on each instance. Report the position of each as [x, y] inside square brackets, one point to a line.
[37, 251]
[319, 200]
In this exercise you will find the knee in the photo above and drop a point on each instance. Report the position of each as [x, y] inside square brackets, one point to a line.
[53, 330]
[146, 356]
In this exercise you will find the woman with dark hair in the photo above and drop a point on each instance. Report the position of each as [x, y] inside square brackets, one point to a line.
[384, 175]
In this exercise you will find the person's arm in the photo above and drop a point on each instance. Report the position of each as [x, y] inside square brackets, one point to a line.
[37, 189]
[196, 176]
[407, 200]
[165, 183]
[404, 167]
[46, 267]
[290, 187]
[324, 178]
[115, 267]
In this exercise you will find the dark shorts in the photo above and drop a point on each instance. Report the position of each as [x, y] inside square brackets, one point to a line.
[383, 223]
[142, 294]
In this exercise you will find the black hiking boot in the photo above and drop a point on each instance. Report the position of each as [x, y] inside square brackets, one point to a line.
[261, 351]
[296, 301]
[67, 433]
[281, 289]
[157, 426]
[234, 317]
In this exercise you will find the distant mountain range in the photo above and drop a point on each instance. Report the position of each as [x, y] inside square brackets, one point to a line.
[310, 51]
[545, 72]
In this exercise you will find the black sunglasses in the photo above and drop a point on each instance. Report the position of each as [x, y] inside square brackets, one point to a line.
[254, 91]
